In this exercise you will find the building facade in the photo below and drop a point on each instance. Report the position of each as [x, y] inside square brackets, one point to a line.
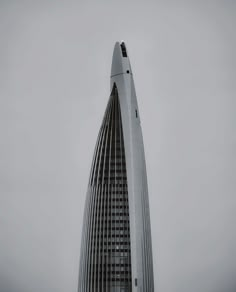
[116, 250]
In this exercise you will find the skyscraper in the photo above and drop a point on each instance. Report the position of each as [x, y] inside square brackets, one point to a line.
[116, 251]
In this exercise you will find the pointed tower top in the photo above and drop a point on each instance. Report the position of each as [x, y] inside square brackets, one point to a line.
[120, 60]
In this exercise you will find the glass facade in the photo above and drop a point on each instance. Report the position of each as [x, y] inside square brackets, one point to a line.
[116, 245]
[109, 254]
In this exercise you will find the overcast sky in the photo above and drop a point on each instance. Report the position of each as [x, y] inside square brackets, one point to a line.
[55, 59]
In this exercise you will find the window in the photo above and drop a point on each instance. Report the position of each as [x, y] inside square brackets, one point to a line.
[123, 50]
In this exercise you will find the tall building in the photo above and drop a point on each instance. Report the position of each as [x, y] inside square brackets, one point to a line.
[116, 250]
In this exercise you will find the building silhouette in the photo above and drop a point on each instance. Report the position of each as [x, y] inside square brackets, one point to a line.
[116, 251]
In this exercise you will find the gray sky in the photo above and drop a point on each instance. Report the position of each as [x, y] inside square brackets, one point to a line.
[55, 60]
